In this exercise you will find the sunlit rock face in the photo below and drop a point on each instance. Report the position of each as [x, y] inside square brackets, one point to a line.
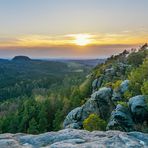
[72, 138]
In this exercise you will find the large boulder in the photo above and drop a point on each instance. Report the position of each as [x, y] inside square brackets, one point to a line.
[121, 119]
[73, 119]
[72, 138]
[139, 108]
[104, 102]
[100, 103]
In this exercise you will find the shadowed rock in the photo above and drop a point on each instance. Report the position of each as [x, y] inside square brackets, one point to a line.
[139, 108]
[121, 119]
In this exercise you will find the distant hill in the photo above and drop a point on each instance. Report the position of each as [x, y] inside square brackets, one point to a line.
[21, 58]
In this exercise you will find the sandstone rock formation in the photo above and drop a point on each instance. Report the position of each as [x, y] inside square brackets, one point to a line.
[139, 108]
[71, 138]
[121, 119]
[99, 103]
[102, 102]
[124, 118]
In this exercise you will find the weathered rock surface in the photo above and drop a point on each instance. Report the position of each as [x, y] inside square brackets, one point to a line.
[73, 119]
[139, 107]
[121, 119]
[72, 138]
[96, 84]
[125, 118]
[99, 103]
[104, 102]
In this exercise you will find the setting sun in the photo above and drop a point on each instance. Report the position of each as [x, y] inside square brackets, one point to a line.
[82, 40]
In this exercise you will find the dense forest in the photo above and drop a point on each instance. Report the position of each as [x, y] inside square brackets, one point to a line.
[36, 96]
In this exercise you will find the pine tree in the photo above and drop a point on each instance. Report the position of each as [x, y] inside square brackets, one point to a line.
[33, 128]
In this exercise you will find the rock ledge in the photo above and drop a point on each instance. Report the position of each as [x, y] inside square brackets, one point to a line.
[72, 138]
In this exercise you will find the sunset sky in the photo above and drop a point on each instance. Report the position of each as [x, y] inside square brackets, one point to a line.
[71, 28]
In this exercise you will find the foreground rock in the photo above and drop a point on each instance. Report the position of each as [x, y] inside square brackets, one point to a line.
[72, 138]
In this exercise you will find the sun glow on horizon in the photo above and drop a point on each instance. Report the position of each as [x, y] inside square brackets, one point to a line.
[82, 39]
[71, 40]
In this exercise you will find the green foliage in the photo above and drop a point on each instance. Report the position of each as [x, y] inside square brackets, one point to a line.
[144, 88]
[43, 119]
[127, 95]
[93, 122]
[22, 78]
[138, 77]
[35, 96]
[122, 103]
[136, 58]
[57, 122]
[33, 128]
[109, 84]
[116, 84]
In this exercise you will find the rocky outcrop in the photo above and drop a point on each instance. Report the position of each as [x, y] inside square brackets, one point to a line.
[110, 74]
[73, 119]
[139, 108]
[97, 83]
[104, 102]
[125, 118]
[121, 119]
[100, 103]
[72, 138]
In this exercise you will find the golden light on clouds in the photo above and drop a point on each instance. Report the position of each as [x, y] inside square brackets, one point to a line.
[83, 39]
